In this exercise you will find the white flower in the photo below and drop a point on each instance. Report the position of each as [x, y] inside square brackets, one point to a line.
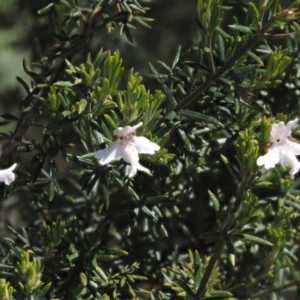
[7, 176]
[128, 146]
[282, 150]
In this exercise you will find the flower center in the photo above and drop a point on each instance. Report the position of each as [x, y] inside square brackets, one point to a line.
[126, 140]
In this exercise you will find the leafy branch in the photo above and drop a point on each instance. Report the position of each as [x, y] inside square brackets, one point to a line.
[254, 40]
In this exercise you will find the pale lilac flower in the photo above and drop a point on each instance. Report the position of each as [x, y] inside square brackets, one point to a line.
[128, 146]
[282, 150]
[7, 176]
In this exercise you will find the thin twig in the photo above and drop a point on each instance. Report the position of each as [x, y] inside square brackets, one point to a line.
[21, 128]
[215, 77]
[280, 36]
[18, 235]
[210, 54]
[264, 294]
[217, 251]
[227, 66]
[220, 243]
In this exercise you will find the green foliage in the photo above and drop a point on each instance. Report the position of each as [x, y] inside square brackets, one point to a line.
[208, 223]
[6, 290]
[30, 274]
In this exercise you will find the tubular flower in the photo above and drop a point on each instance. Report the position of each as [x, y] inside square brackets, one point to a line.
[7, 176]
[282, 150]
[128, 146]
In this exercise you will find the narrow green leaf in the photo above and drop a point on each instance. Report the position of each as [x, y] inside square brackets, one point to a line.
[219, 294]
[82, 105]
[197, 271]
[24, 84]
[214, 200]
[256, 239]
[110, 122]
[195, 116]
[45, 9]
[157, 199]
[256, 58]
[177, 57]
[240, 28]
[163, 230]
[105, 193]
[132, 193]
[221, 47]
[231, 169]
[169, 94]
[38, 48]
[293, 204]
[150, 213]
[28, 70]
[263, 184]
[99, 58]
[243, 70]
[70, 65]
[231, 253]
[152, 69]
[165, 66]
[128, 34]
[185, 139]
[52, 191]
[9, 117]
[66, 4]
[64, 84]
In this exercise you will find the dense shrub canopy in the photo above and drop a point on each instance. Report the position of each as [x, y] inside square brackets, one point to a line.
[156, 149]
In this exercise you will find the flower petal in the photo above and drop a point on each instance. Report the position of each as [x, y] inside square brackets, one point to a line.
[295, 168]
[143, 145]
[289, 126]
[136, 166]
[277, 132]
[114, 151]
[280, 132]
[132, 170]
[7, 176]
[293, 147]
[130, 155]
[288, 159]
[122, 131]
[270, 159]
